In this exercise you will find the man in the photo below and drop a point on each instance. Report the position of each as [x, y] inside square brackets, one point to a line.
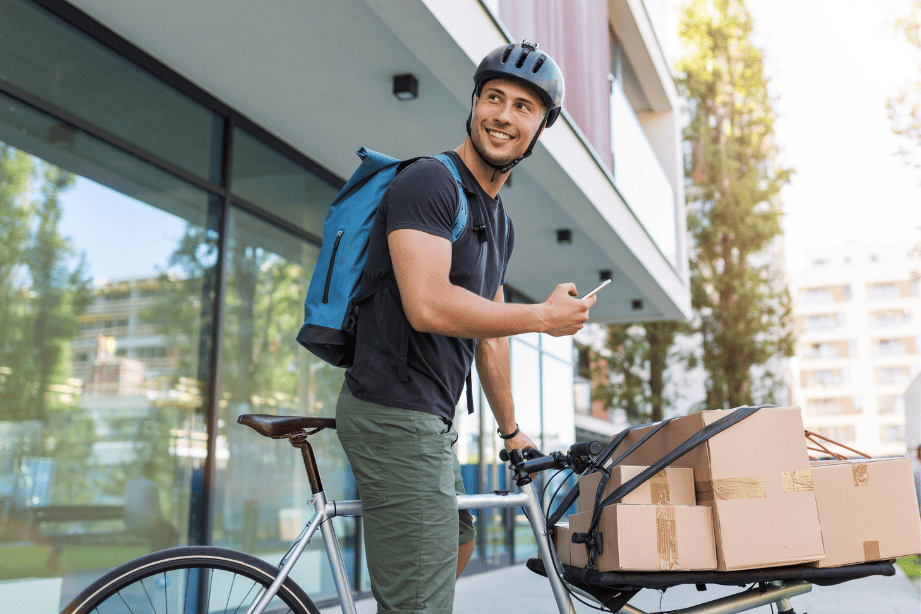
[417, 338]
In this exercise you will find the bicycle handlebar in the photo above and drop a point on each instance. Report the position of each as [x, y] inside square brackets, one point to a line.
[531, 460]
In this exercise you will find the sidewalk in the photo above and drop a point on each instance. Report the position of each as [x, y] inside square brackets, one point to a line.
[516, 589]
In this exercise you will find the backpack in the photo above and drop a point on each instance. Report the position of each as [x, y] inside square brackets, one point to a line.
[336, 293]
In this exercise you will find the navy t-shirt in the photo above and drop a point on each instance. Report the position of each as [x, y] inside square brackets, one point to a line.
[424, 197]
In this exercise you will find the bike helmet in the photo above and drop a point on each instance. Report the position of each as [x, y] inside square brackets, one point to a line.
[523, 63]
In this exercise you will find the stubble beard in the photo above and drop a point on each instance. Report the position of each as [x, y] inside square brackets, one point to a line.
[478, 142]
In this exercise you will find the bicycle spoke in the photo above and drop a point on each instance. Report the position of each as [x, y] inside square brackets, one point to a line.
[210, 583]
[242, 601]
[149, 600]
[230, 592]
[165, 596]
[125, 602]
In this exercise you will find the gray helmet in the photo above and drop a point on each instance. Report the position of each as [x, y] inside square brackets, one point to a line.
[526, 64]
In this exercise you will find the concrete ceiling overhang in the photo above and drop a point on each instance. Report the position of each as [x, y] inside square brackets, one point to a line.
[319, 76]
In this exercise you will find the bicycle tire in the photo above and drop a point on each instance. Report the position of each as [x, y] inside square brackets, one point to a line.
[166, 577]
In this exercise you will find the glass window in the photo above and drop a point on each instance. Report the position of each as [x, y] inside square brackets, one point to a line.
[881, 292]
[559, 403]
[107, 275]
[61, 65]
[262, 490]
[282, 187]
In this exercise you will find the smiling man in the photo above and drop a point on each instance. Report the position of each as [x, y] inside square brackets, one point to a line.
[416, 339]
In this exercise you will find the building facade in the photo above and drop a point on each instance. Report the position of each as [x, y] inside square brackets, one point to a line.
[858, 324]
[165, 169]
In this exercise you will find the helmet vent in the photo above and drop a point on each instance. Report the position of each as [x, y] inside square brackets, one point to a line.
[522, 58]
[538, 64]
[506, 53]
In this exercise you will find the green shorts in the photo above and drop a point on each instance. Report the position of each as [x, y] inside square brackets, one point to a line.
[408, 477]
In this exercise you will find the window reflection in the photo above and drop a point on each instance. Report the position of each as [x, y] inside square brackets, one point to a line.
[264, 370]
[266, 178]
[52, 60]
[106, 295]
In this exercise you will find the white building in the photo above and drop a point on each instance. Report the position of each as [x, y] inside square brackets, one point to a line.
[858, 319]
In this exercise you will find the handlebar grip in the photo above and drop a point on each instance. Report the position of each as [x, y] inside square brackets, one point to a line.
[503, 455]
[585, 448]
[542, 463]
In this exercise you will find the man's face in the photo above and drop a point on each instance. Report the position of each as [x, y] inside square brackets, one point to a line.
[505, 117]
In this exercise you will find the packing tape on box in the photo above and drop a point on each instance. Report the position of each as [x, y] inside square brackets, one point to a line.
[666, 537]
[726, 489]
[861, 474]
[797, 481]
[658, 489]
[871, 551]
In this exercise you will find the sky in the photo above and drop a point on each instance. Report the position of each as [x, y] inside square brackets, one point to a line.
[832, 64]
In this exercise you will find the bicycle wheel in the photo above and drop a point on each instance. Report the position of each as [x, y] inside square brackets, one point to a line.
[189, 580]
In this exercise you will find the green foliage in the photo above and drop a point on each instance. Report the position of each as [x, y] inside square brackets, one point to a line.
[904, 108]
[628, 371]
[43, 287]
[742, 307]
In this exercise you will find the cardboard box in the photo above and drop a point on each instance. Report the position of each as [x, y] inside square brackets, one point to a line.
[649, 538]
[671, 486]
[868, 510]
[755, 476]
[561, 541]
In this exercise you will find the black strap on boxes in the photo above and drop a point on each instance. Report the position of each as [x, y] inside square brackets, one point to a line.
[593, 538]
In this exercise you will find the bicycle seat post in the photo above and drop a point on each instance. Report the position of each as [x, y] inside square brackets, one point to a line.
[299, 440]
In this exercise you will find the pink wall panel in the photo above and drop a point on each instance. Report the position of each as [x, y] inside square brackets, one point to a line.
[575, 33]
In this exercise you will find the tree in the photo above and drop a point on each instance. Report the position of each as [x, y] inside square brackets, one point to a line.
[43, 285]
[742, 307]
[904, 109]
[628, 371]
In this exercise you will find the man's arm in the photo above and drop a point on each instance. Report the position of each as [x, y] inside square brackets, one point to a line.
[493, 365]
[422, 264]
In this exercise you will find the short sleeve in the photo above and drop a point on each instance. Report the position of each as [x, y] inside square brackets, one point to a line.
[422, 197]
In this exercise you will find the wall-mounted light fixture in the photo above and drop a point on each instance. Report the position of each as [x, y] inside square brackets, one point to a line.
[405, 87]
[564, 236]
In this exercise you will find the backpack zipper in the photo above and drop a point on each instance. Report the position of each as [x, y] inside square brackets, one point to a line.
[332, 262]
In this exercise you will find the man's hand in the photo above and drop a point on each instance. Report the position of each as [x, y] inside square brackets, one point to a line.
[519, 442]
[564, 313]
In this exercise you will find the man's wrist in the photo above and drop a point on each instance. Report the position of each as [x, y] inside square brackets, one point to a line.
[510, 435]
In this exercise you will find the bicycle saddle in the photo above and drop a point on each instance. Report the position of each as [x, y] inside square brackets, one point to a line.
[280, 427]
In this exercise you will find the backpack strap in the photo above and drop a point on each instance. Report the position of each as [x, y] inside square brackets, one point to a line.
[461, 222]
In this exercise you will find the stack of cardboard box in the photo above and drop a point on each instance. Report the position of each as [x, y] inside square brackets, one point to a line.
[656, 527]
[757, 501]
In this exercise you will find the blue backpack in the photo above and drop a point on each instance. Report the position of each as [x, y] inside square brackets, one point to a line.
[336, 292]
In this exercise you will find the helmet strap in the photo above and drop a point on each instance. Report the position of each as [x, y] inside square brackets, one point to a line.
[511, 165]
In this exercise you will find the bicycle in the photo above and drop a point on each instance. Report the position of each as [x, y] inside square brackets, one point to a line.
[199, 579]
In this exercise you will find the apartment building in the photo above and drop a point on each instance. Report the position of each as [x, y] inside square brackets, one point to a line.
[858, 319]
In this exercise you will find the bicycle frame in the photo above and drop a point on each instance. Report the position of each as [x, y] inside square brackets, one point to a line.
[527, 498]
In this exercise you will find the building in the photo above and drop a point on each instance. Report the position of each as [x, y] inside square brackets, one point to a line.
[165, 169]
[857, 319]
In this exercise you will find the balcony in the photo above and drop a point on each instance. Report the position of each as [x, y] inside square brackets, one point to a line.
[639, 177]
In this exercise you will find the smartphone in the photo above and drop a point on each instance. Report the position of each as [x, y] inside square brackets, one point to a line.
[597, 288]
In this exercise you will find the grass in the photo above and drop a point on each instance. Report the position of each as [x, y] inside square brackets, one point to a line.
[31, 561]
[911, 565]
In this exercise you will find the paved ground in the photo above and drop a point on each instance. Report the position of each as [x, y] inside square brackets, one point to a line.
[516, 589]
